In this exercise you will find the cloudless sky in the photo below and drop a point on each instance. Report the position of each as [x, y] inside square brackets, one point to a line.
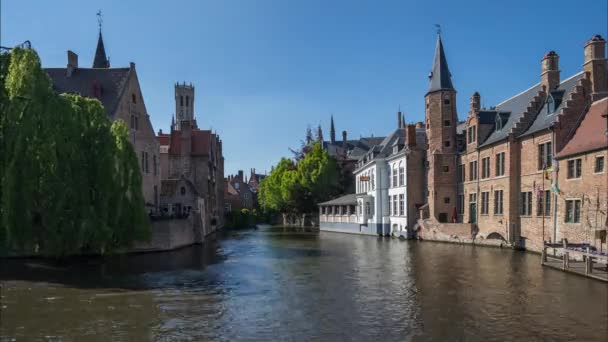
[265, 69]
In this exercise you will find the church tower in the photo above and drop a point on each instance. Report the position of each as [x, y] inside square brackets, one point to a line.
[441, 121]
[184, 106]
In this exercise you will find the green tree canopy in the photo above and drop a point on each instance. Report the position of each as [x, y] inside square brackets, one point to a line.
[70, 181]
[297, 188]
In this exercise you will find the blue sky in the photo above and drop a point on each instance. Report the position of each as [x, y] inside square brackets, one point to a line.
[265, 69]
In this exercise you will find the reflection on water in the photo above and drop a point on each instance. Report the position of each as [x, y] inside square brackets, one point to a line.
[276, 285]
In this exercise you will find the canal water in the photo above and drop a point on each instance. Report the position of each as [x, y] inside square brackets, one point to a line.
[276, 285]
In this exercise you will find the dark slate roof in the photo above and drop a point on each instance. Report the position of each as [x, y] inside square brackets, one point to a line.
[440, 77]
[385, 147]
[100, 60]
[591, 134]
[516, 106]
[355, 148]
[344, 200]
[105, 84]
[544, 119]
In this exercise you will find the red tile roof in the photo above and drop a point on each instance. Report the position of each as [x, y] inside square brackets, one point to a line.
[200, 142]
[590, 135]
[163, 139]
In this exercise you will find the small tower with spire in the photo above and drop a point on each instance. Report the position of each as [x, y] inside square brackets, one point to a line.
[100, 60]
[441, 120]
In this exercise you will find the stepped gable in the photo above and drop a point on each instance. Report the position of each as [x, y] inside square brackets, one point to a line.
[560, 95]
[516, 107]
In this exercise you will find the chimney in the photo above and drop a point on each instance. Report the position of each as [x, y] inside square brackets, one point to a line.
[411, 135]
[475, 102]
[72, 63]
[596, 67]
[160, 131]
[549, 76]
[344, 144]
[241, 175]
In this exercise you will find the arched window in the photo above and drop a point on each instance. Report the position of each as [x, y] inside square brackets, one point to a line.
[181, 100]
[133, 98]
[401, 173]
[182, 190]
[550, 105]
[187, 100]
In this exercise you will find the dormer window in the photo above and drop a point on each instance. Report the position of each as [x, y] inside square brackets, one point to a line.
[550, 105]
[498, 122]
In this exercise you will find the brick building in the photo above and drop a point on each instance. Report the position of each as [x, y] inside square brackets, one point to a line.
[119, 92]
[238, 193]
[497, 174]
[195, 155]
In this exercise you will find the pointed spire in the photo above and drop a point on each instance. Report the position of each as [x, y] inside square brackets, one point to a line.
[332, 131]
[320, 134]
[399, 121]
[440, 76]
[100, 60]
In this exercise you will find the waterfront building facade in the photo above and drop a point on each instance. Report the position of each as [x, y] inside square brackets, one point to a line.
[382, 205]
[507, 178]
[195, 155]
[118, 89]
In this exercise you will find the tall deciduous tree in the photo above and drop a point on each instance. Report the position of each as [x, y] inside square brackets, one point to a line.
[294, 189]
[70, 181]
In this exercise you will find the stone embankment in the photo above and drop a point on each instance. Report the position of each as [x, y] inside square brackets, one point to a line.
[461, 233]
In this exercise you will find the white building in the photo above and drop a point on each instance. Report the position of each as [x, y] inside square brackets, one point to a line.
[384, 203]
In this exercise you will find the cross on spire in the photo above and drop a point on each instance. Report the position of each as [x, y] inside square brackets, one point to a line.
[438, 27]
[99, 19]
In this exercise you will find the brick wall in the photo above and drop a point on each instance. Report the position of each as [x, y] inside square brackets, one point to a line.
[592, 189]
[532, 179]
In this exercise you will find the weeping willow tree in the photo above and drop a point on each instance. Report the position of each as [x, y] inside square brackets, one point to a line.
[70, 180]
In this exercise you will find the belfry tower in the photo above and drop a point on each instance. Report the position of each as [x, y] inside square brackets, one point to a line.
[184, 106]
[441, 121]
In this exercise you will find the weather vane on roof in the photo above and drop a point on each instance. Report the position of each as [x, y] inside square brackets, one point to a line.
[99, 19]
[438, 27]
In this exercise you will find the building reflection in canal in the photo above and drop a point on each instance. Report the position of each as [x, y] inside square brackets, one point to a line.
[277, 285]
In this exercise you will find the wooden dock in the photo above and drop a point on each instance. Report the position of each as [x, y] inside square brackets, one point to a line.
[576, 260]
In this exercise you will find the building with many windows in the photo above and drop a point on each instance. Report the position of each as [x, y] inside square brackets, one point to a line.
[194, 156]
[387, 191]
[499, 176]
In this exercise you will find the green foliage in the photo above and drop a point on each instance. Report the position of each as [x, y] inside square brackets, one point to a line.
[243, 218]
[70, 181]
[297, 188]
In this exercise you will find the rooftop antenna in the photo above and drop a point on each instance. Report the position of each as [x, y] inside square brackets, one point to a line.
[99, 19]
